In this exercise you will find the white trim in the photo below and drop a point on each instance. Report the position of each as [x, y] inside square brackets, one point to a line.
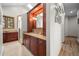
[2, 51]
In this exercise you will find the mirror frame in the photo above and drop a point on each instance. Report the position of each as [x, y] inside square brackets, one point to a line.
[31, 25]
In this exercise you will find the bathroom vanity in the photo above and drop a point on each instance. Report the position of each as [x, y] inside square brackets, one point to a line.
[35, 43]
[35, 37]
[10, 35]
[9, 31]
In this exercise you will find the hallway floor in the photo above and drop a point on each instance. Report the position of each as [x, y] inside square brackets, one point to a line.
[70, 47]
[15, 49]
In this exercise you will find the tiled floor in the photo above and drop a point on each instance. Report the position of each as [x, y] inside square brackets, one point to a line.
[15, 49]
[70, 47]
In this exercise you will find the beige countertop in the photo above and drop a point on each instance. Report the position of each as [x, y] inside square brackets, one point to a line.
[36, 35]
[9, 30]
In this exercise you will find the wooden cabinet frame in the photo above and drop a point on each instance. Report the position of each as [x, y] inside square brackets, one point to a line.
[37, 46]
[31, 25]
[8, 19]
[10, 36]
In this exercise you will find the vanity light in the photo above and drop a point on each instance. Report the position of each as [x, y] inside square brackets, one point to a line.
[70, 11]
[41, 14]
[34, 18]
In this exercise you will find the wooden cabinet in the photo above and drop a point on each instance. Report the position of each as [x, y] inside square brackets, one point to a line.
[35, 45]
[5, 37]
[8, 22]
[12, 36]
[42, 47]
[26, 41]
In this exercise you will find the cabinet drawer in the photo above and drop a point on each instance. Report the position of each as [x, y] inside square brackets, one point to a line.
[26, 36]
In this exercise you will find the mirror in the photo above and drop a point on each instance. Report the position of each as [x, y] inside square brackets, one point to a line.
[36, 20]
[39, 21]
[39, 24]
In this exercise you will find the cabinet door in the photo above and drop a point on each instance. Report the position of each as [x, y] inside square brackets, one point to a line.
[42, 47]
[12, 36]
[7, 37]
[26, 41]
[4, 37]
[24, 38]
[34, 46]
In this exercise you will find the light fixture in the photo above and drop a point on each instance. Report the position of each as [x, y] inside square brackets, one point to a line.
[41, 14]
[70, 11]
[29, 6]
[34, 18]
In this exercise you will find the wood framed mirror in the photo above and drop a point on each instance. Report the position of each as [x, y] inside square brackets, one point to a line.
[33, 15]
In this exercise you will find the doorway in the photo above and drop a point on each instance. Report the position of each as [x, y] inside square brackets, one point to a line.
[70, 44]
[19, 23]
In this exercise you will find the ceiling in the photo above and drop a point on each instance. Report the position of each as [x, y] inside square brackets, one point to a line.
[71, 8]
[16, 8]
[20, 8]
